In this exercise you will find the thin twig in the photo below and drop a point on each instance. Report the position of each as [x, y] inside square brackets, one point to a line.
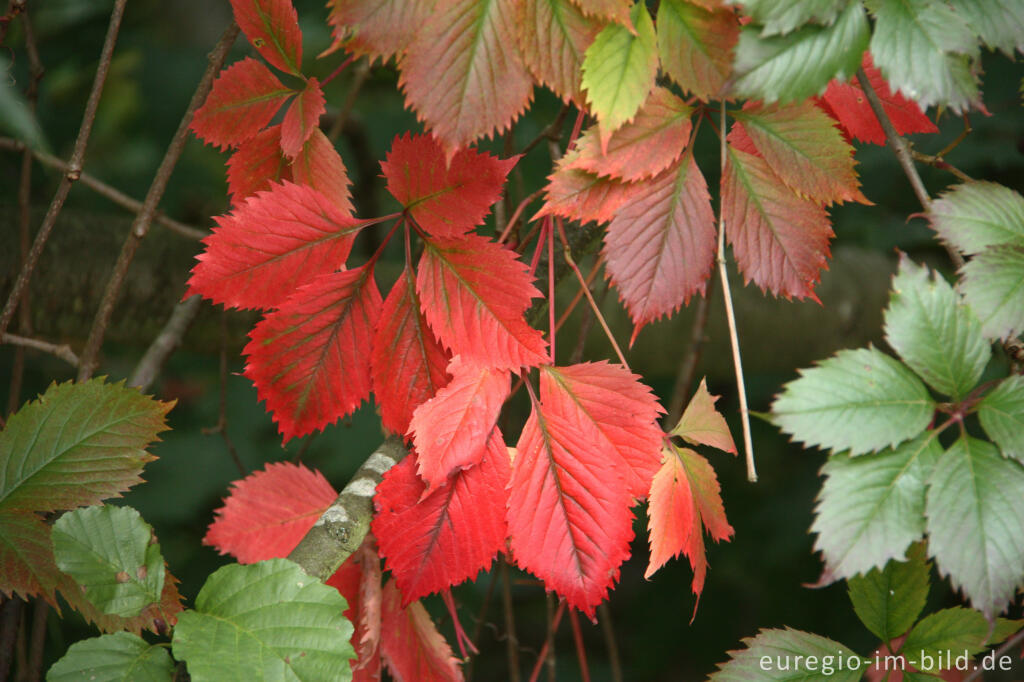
[515, 215]
[61, 350]
[684, 378]
[165, 343]
[362, 73]
[549, 641]
[544, 651]
[511, 640]
[552, 132]
[222, 406]
[604, 616]
[74, 169]
[36, 648]
[581, 652]
[142, 222]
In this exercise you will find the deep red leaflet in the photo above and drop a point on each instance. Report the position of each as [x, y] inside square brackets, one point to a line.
[272, 26]
[433, 540]
[302, 117]
[413, 648]
[319, 166]
[359, 581]
[244, 98]
[256, 164]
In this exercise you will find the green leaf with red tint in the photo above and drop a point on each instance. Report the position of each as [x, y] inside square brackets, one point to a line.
[553, 36]
[696, 45]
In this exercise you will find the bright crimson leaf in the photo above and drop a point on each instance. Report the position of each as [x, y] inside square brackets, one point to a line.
[269, 511]
[444, 201]
[621, 408]
[684, 497]
[583, 196]
[568, 508]
[359, 581]
[643, 148]
[451, 430]
[319, 166]
[462, 73]
[256, 164]
[553, 36]
[413, 648]
[780, 239]
[660, 246]
[474, 293]
[696, 45]
[378, 28]
[301, 118]
[702, 424]
[433, 540]
[848, 105]
[272, 26]
[408, 363]
[310, 360]
[244, 98]
[272, 243]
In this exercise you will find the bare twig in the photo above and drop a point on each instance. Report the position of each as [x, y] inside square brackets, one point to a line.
[549, 642]
[40, 612]
[581, 652]
[165, 343]
[604, 615]
[61, 350]
[143, 220]
[74, 168]
[222, 407]
[511, 639]
[684, 378]
[544, 650]
[338, 124]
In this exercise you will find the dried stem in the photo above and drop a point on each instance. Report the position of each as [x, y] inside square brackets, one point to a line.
[544, 651]
[338, 124]
[549, 642]
[515, 215]
[581, 652]
[36, 648]
[141, 224]
[511, 640]
[222, 407]
[684, 378]
[62, 351]
[604, 615]
[165, 343]
[74, 168]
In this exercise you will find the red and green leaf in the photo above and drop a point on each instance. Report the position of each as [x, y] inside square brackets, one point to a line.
[702, 424]
[583, 196]
[319, 166]
[696, 45]
[301, 118]
[272, 27]
[256, 164]
[26, 553]
[156, 617]
[244, 99]
[376, 28]
[607, 10]
[310, 359]
[553, 36]
[413, 648]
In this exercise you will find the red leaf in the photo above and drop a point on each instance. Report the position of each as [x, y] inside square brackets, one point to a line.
[462, 73]
[451, 430]
[610, 10]
[702, 424]
[553, 36]
[568, 508]
[413, 648]
[684, 497]
[359, 582]
[319, 166]
[378, 28]
[408, 363]
[643, 147]
[583, 196]
[660, 247]
[474, 293]
[780, 239]
[623, 411]
[244, 98]
[696, 45]
[310, 360]
[269, 511]
[272, 26]
[271, 244]
[847, 103]
[445, 201]
[26, 554]
[256, 164]
[433, 540]
[301, 118]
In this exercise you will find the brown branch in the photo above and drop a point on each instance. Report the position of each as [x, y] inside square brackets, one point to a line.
[165, 343]
[684, 378]
[74, 168]
[141, 224]
[62, 350]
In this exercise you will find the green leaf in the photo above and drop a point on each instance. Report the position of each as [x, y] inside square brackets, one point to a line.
[791, 655]
[951, 631]
[619, 69]
[872, 507]
[112, 553]
[993, 284]
[113, 658]
[1002, 416]
[976, 215]
[267, 620]
[889, 601]
[782, 16]
[77, 445]
[1000, 23]
[800, 64]
[16, 117]
[934, 332]
[925, 50]
[1004, 629]
[859, 400]
[975, 513]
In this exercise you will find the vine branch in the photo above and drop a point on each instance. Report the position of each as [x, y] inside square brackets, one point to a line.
[62, 350]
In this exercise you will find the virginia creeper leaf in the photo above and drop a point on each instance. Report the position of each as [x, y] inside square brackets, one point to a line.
[956, 629]
[78, 444]
[433, 539]
[244, 98]
[643, 148]
[568, 510]
[975, 517]
[1002, 416]
[408, 364]
[265, 621]
[583, 196]
[302, 117]
[269, 511]
[319, 166]
[272, 243]
[781, 648]
[113, 555]
[685, 499]
[976, 215]
[702, 424]
[608, 10]
[446, 201]
[859, 400]
[696, 45]
[113, 658]
[553, 35]
[889, 601]
[802, 145]
[800, 64]
[256, 164]
[462, 73]
[619, 69]
[474, 293]
[621, 408]
[660, 246]
[26, 553]
[310, 359]
[999, 23]
[272, 26]
[925, 50]
[783, 16]
[451, 430]
[780, 240]
[413, 648]
[993, 284]
[377, 28]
